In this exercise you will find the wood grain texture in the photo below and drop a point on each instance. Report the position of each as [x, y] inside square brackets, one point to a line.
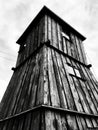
[53, 79]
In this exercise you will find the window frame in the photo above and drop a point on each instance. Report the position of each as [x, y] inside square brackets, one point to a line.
[75, 73]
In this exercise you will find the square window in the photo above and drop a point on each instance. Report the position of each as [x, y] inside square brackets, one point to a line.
[70, 70]
[77, 73]
[65, 35]
[74, 71]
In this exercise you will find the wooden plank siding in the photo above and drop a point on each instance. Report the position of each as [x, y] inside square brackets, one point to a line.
[32, 41]
[74, 44]
[53, 79]
[27, 85]
[47, 120]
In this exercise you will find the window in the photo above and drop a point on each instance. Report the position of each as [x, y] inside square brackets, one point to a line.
[77, 73]
[70, 70]
[73, 71]
[65, 35]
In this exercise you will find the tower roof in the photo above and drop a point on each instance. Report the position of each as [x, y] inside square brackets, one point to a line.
[47, 11]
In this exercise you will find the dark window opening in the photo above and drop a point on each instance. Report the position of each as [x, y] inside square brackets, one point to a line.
[22, 47]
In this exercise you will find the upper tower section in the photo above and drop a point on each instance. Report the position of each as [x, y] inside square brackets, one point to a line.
[48, 26]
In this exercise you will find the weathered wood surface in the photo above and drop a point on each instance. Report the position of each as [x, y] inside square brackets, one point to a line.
[49, 29]
[26, 87]
[48, 120]
[45, 78]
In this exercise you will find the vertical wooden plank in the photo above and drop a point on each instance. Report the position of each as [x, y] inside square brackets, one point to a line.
[40, 82]
[52, 81]
[57, 70]
[54, 36]
[59, 36]
[33, 93]
[64, 42]
[32, 40]
[57, 121]
[27, 121]
[33, 75]
[71, 122]
[34, 89]
[39, 33]
[49, 28]
[15, 125]
[82, 51]
[76, 96]
[35, 121]
[42, 30]
[43, 37]
[69, 51]
[21, 122]
[64, 122]
[46, 82]
[49, 120]
[5, 125]
[74, 46]
[27, 42]
[79, 50]
[46, 28]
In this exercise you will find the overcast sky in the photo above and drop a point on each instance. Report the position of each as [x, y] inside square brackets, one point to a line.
[15, 16]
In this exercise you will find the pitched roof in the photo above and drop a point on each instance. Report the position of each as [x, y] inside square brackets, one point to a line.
[47, 11]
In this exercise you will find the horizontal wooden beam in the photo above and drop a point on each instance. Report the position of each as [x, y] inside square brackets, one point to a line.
[54, 48]
[65, 54]
[54, 109]
[22, 113]
[32, 54]
[67, 111]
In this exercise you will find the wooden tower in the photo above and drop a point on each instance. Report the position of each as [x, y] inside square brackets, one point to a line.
[52, 86]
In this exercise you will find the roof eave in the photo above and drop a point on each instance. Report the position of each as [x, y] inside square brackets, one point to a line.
[44, 11]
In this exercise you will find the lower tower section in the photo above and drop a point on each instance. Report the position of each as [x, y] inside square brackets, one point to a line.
[56, 92]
